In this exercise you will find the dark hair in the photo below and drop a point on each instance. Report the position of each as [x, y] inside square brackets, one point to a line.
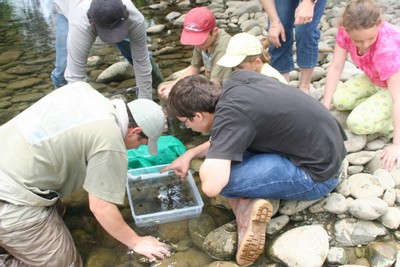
[194, 93]
[361, 14]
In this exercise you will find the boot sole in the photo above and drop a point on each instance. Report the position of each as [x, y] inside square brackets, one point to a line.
[254, 239]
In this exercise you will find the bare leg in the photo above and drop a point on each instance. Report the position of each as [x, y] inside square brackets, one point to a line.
[252, 216]
[305, 80]
[286, 76]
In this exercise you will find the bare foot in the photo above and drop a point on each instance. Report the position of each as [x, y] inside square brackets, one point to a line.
[305, 90]
[252, 216]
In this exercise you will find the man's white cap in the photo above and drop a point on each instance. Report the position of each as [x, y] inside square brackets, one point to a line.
[150, 117]
[239, 47]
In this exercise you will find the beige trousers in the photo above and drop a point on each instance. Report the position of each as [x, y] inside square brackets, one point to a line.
[38, 237]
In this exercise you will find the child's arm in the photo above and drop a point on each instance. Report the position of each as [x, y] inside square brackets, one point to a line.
[391, 154]
[334, 72]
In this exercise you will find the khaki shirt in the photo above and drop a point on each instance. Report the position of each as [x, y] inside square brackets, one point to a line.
[217, 73]
[66, 140]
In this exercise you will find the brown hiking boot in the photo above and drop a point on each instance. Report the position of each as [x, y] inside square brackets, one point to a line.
[252, 216]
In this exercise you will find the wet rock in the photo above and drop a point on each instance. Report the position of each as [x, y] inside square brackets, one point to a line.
[221, 243]
[187, 258]
[9, 56]
[116, 72]
[7, 115]
[30, 98]
[173, 231]
[23, 83]
[7, 77]
[223, 264]
[156, 29]
[200, 227]
[101, 257]
[93, 61]
[172, 16]
[23, 70]
[83, 241]
[5, 103]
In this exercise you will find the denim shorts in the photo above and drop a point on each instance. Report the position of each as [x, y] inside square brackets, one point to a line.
[307, 37]
[271, 176]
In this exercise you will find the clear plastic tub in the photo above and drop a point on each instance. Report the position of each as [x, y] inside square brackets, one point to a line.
[156, 198]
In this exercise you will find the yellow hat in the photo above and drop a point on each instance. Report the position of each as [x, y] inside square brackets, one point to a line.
[239, 47]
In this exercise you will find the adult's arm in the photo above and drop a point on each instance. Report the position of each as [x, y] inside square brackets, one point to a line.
[391, 154]
[334, 72]
[140, 57]
[79, 42]
[276, 29]
[214, 175]
[110, 218]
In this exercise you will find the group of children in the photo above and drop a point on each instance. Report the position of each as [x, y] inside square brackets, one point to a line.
[259, 124]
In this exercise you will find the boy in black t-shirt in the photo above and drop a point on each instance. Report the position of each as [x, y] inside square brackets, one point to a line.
[268, 141]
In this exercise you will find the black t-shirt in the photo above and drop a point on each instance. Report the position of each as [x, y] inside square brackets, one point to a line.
[258, 113]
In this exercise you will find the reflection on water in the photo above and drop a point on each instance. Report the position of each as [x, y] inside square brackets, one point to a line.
[27, 24]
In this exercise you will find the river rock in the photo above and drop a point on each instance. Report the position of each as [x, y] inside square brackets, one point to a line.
[353, 232]
[20, 84]
[101, 257]
[368, 208]
[381, 254]
[365, 185]
[305, 246]
[221, 243]
[200, 227]
[9, 56]
[116, 72]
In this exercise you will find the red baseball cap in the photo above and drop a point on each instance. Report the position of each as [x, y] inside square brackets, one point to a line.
[198, 23]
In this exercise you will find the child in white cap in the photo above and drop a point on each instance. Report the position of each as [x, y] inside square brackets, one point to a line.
[245, 51]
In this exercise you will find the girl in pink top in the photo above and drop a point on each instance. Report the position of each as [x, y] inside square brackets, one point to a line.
[374, 96]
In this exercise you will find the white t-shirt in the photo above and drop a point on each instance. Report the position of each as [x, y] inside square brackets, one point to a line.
[81, 38]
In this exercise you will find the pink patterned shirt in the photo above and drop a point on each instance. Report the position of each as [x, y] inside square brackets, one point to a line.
[382, 59]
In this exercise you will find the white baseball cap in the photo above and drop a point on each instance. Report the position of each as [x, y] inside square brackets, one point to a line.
[239, 47]
[150, 117]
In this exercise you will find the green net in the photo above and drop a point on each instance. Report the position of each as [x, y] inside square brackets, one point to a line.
[169, 148]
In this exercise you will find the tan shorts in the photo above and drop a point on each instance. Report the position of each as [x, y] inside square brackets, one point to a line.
[38, 237]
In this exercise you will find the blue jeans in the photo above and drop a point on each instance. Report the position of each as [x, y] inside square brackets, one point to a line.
[271, 176]
[57, 75]
[307, 37]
